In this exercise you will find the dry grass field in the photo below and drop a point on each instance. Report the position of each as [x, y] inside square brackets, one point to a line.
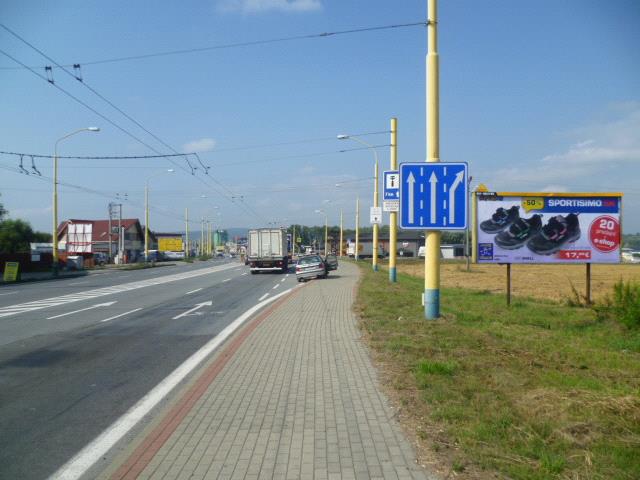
[552, 282]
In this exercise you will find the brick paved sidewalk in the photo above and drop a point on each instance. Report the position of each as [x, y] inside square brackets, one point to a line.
[298, 399]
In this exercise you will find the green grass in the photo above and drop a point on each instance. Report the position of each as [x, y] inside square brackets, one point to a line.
[540, 390]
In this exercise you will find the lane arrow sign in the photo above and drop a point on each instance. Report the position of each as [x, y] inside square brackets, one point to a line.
[452, 196]
[198, 306]
[106, 304]
[433, 180]
[411, 180]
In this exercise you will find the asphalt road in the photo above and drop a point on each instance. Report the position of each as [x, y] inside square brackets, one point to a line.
[76, 354]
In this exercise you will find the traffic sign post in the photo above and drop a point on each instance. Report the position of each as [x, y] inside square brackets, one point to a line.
[433, 196]
[376, 215]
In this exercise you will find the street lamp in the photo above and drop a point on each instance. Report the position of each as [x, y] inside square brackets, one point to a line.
[55, 193]
[146, 212]
[326, 226]
[375, 193]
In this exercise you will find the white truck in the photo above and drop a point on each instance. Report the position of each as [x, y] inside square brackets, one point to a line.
[365, 250]
[267, 250]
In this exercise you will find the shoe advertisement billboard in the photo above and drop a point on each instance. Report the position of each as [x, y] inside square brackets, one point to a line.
[548, 227]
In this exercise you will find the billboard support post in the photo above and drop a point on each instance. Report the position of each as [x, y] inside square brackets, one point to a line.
[508, 284]
[588, 296]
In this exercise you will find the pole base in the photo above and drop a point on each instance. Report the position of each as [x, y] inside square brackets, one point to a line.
[393, 274]
[431, 304]
[375, 268]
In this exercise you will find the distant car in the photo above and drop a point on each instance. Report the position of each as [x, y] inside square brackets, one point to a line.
[100, 258]
[331, 262]
[174, 255]
[631, 257]
[310, 266]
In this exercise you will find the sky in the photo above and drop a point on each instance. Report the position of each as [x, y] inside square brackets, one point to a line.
[535, 96]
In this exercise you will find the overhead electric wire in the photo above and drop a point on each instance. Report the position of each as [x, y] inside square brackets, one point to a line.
[246, 207]
[238, 44]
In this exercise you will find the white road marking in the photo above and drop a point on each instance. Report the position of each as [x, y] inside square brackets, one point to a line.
[226, 280]
[79, 283]
[11, 293]
[121, 315]
[276, 286]
[198, 306]
[100, 292]
[98, 305]
[193, 291]
[287, 275]
[263, 297]
[89, 455]
[245, 273]
[282, 280]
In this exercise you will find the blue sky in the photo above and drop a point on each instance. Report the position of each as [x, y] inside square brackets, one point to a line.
[534, 95]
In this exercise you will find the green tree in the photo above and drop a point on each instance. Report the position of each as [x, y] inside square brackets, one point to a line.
[15, 236]
[3, 212]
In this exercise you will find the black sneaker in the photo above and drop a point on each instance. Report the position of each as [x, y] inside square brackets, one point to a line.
[500, 220]
[519, 232]
[555, 235]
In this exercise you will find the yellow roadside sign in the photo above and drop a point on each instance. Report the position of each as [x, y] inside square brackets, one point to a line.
[170, 244]
[11, 271]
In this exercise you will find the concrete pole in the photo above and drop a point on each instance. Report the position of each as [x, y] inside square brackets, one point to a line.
[341, 227]
[55, 213]
[186, 233]
[432, 238]
[326, 236]
[374, 258]
[146, 222]
[357, 227]
[393, 216]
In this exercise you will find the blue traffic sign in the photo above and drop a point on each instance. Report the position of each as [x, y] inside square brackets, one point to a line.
[433, 196]
[391, 190]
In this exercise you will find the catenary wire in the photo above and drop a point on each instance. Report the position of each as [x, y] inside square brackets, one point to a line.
[238, 44]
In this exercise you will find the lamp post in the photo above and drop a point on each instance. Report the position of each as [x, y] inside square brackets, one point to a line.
[357, 227]
[146, 212]
[326, 227]
[375, 193]
[55, 193]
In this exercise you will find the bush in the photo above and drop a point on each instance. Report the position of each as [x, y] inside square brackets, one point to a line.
[624, 305]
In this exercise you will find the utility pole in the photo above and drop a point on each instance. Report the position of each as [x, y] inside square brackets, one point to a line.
[432, 237]
[393, 216]
[341, 228]
[201, 249]
[357, 227]
[120, 236]
[186, 232]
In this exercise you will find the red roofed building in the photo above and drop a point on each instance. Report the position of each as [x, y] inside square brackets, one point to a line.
[77, 236]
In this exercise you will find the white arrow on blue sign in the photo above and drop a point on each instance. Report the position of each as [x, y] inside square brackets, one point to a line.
[433, 196]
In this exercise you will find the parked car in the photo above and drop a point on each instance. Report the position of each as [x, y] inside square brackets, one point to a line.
[331, 262]
[173, 255]
[310, 266]
[100, 258]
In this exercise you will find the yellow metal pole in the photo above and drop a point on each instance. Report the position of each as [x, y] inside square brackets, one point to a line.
[357, 228]
[326, 227]
[374, 261]
[55, 214]
[393, 216]
[146, 222]
[432, 238]
[293, 241]
[474, 224]
[201, 249]
[341, 227]
[186, 233]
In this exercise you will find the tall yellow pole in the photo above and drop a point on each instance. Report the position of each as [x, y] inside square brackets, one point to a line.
[341, 227]
[432, 238]
[357, 228]
[474, 224]
[293, 241]
[55, 214]
[186, 233]
[146, 222]
[393, 216]
[326, 228]
[374, 261]
[201, 249]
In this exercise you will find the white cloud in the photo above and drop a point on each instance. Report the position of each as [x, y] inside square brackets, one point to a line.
[599, 153]
[259, 6]
[202, 145]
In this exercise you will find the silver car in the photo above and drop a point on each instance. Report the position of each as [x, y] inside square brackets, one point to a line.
[310, 266]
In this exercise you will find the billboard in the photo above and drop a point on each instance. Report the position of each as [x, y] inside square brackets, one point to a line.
[79, 237]
[548, 227]
[170, 244]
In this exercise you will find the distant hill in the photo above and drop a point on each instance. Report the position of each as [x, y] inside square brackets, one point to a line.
[631, 240]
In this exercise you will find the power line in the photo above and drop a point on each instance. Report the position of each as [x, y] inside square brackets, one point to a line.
[112, 157]
[236, 45]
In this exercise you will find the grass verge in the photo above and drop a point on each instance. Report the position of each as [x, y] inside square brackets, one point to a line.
[536, 391]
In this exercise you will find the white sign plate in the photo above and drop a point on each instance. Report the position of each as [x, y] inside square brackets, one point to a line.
[391, 205]
[376, 215]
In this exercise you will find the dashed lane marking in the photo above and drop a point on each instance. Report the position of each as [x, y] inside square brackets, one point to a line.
[193, 291]
[263, 297]
[121, 315]
[276, 286]
[226, 280]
